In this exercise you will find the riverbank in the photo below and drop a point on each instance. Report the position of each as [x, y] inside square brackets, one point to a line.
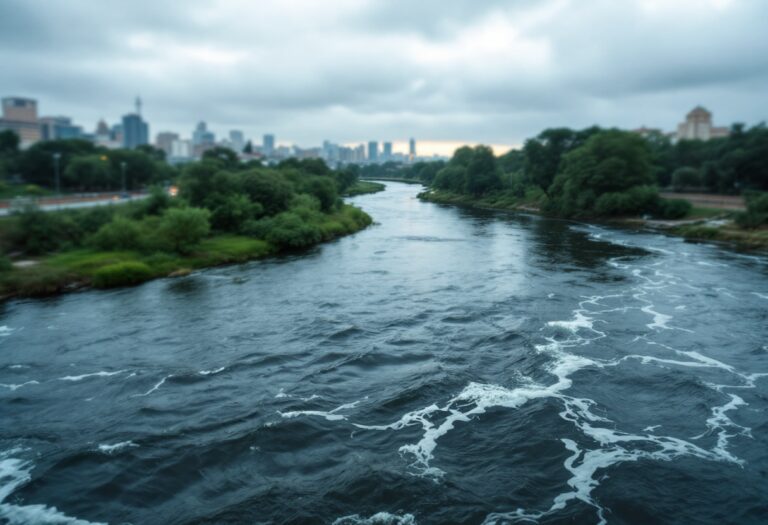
[86, 268]
[364, 187]
[702, 225]
[395, 179]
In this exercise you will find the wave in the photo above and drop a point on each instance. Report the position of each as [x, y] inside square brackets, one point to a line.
[93, 374]
[380, 518]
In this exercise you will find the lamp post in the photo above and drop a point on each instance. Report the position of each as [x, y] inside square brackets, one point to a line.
[57, 179]
[122, 168]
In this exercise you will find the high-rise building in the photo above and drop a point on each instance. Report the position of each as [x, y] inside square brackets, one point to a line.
[164, 141]
[58, 128]
[373, 151]
[135, 131]
[237, 140]
[698, 126]
[20, 116]
[387, 154]
[412, 148]
[268, 145]
[201, 136]
[181, 150]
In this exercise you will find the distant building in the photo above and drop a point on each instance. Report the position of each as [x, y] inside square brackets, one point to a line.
[181, 151]
[201, 136]
[116, 133]
[387, 154]
[268, 145]
[164, 141]
[59, 128]
[412, 149]
[20, 116]
[135, 131]
[373, 151]
[237, 140]
[698, 126]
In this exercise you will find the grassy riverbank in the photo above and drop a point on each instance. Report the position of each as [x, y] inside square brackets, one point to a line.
[364, 187]
[694, 227]
[88, 267]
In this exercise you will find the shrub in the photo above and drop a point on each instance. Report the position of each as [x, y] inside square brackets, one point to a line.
[638, 199]
[36, 232]
[121, 274]
[673, 208]
[182, 228]
[120, 234]
[757, 211]
[686, 177]
[5, 264]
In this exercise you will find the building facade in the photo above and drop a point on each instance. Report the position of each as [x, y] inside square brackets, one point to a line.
[268, 145]
[135, 131]
[373, 151]
[698, 126]
[20, 116]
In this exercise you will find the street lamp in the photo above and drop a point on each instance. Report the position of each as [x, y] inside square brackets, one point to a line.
[56, 157]
[122, 168]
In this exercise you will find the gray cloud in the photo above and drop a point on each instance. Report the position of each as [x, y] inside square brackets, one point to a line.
[349, 70]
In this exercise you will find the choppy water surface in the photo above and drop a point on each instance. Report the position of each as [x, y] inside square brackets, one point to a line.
[444, 366]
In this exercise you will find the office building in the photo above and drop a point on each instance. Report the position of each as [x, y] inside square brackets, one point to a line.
[268, 145]
[59, 128]
[237, 140]
[135, 131]
[387, 153]
[201, 136]
[412, 148]
[164, 141]
[20, 116]
[373, 151]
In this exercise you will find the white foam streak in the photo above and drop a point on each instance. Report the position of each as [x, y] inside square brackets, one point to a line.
[116, 447]
[13, 387]
[212, 372]
[380, 518]
[154, 388]
[94, 374]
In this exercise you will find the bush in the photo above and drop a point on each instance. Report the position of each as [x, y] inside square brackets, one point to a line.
[120, 234]
[121, 274]
[757, 211]
[673, 209]
[687, 177]
[5, 264]
[182, 228]
[36, 232]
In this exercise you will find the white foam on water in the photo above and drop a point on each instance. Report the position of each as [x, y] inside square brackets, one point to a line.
[101, 373]
[14, 473]
[760, 295]
[380, 518]
[212, 372]
[5, 331]
[154, 388]
[13, 387]
[116, 447]
[332, 415]
[17, 367]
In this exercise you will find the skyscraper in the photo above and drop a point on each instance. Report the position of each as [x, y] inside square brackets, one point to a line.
[412, 148]
[268, 145]
[165, 140]
[373, 151]
[201, 136]
[135, 131]
[387, 151]
[237, 140]
[20, 116]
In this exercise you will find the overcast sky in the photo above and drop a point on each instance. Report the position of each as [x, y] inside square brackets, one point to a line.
[471, 71]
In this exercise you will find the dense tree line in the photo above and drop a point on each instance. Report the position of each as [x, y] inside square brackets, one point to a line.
[599, 172]
[293, 205]
[82, 166]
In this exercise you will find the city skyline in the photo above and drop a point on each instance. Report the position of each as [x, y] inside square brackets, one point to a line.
[496, 73]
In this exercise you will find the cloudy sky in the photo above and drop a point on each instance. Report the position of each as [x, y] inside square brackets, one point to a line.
[450, 71]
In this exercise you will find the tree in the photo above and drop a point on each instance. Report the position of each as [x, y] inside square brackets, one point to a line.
[268, 188]
[225, 156]
[9, 143]
[543, 154]
[89, 172]
[482, 174]
[686, 178]
[183, 228]
[609, 162]
[248, 148]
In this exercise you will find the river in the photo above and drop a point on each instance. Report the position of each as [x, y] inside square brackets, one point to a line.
[443, 366]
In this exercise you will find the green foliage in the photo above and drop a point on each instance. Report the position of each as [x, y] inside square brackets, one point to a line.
[120, 234]
[231, 212]
[224, 156]
[757, 211]
[268, 188]
[36, 232]
[9, 142]
[686, 178]
[121, 274]
[5, 264]
[634, 201]
[609, 162]
[482, 173]
[88, 172]
[183, 228]
[673, 209]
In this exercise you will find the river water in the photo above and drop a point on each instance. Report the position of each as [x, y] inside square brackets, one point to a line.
[443, 366]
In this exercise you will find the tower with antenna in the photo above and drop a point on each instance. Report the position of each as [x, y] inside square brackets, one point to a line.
[138, 105]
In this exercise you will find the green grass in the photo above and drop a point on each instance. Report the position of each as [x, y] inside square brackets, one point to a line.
[364, 186]
[84, 267]
[706, 213]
